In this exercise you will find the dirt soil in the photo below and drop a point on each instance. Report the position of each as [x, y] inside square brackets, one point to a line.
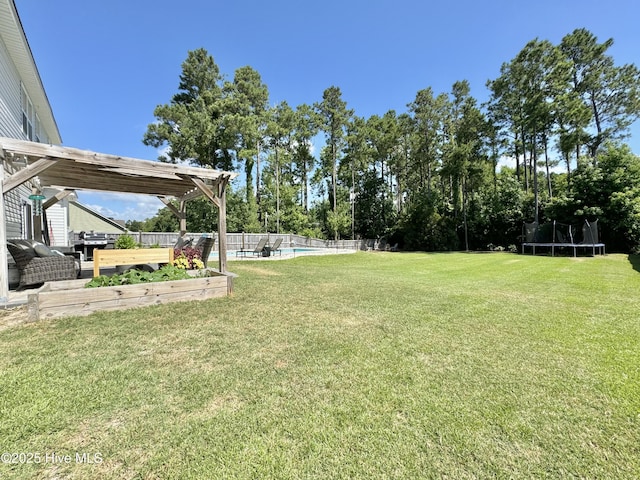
[10, 317]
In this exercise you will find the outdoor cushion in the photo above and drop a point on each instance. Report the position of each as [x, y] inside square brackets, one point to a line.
[42, 250]
[23, 248]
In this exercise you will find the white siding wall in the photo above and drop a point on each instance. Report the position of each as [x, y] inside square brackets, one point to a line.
[11, 126]
[10, 97]
[57, 225]
[13, 208]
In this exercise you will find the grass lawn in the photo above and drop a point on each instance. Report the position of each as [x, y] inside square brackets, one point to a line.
[365, 366]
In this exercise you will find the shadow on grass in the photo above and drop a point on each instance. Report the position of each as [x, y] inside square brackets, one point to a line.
[634, 260]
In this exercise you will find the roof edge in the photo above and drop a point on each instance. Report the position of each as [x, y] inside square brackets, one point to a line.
[99, 215]
[30, 75]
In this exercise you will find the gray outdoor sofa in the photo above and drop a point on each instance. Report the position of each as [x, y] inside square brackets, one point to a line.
[37, 263]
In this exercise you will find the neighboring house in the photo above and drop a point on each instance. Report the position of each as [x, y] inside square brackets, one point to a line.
[25, 112]
[83, 219]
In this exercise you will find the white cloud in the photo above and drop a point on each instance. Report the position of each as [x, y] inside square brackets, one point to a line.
[121, 206]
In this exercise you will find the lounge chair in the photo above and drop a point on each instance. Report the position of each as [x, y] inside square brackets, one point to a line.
[256, 251]
[276, 247]
[259, 250]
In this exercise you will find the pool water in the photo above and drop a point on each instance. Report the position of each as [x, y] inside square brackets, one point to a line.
[285, 251]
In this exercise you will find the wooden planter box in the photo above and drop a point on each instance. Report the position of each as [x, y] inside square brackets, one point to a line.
[69, 298]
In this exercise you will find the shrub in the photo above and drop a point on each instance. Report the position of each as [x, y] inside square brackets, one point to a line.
[125, 242]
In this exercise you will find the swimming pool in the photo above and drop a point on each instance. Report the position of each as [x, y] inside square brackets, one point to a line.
[302, 250]
[289, 251]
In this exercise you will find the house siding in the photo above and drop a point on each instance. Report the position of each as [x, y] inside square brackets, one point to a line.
[13, 212]
[57, 225]
[10, 97]
[11, 126]
[82, 219]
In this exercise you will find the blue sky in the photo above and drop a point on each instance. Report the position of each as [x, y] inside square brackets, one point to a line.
[107, 64]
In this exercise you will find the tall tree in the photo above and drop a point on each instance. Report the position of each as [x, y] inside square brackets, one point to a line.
[464, 157]
[612, 93]
[526, 95]
[505, 110]
[406, 143]
[384, 135]
[191, 125]
[306, 127]
[245, 115]
[358, 153]
[545, 78]
[333, 117]
[280, 132]
[429, 115]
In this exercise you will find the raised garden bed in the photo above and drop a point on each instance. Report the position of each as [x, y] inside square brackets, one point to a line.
[67, 298]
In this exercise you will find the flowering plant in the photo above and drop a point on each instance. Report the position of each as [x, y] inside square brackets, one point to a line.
[188, 258]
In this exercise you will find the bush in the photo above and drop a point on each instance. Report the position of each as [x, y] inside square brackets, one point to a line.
[125, 242]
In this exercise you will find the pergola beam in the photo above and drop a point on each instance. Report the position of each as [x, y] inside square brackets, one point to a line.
[180, 213]
[26, 174]
[124, 165]
[56, 198]
[208, 192]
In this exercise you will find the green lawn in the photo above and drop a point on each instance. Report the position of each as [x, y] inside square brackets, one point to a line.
[373, 365]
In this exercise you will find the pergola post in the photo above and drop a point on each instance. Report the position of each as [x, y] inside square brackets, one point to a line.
[182, 216]
[37, 228]
[4, 265]
[222, 224]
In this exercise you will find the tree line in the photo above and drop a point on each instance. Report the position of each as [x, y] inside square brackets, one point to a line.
[430, 178]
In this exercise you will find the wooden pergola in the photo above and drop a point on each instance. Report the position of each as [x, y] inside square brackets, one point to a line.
[70, 169]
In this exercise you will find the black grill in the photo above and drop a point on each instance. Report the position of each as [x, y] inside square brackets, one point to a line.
[92, 238]
[88, 241]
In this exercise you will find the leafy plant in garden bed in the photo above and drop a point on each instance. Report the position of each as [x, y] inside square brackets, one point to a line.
[132, 277]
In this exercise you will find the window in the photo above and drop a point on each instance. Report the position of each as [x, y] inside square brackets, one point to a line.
[30, 120]
[27, 221]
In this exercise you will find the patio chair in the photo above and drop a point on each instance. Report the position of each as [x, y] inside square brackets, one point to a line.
[276, 247]
[260, 247]
[183, 242]
[205, 245]
[38, 264]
